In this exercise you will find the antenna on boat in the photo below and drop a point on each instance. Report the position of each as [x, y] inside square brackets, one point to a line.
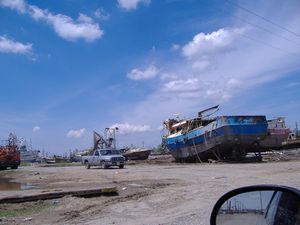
[215, 108]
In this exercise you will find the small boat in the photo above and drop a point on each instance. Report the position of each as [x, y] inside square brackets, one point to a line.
[221, 137]
[136, 153]
[277, 133]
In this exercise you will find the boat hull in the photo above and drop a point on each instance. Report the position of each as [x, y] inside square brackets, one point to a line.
[225, 136]
[275, 138]
[29, 156]
[137, 155]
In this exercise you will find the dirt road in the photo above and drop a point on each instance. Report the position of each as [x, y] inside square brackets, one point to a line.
[148, 194]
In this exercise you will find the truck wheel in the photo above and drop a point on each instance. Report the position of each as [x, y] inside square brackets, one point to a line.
[121, 166]
[14, 167]
[87, 165]
[103, 165]
[2, 168]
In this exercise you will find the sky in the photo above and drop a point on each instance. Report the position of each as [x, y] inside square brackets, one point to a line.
[70, 67]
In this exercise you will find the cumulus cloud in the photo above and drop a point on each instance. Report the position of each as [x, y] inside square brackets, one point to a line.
[143, 74]
[205, 44]
[125, 128]
[131, 4]
[36, 129]
[11, 46]
[76, 133]
[67, 28]
[18, 5]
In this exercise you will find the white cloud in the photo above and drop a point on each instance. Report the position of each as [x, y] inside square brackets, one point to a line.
[189, 85]
[205, 44]
[67, 28]
[76, 133]
[125, 128]
[36, 129]
[10, 46]
[18, 5]
[140, 74]
[131, 4]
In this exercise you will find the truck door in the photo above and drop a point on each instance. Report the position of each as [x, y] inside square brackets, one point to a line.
[96, 158]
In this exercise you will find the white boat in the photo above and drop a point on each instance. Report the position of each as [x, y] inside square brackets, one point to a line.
[28, 155]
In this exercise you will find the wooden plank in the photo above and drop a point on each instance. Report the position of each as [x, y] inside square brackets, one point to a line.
[54, 195]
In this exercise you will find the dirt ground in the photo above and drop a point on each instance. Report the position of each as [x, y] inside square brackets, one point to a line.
[149, 193]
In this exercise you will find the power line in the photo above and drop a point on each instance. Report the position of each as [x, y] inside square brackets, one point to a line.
[267, 44]
[266, 30]
[263, 18]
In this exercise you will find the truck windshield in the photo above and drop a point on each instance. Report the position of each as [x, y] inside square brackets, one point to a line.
[110, 152]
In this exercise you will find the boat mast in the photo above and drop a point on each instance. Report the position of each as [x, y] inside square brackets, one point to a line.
[200, 114]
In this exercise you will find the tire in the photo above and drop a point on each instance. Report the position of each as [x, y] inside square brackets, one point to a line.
[2, 168]
[14, 167]
[121, 166]
[103, 165]
[87, 165]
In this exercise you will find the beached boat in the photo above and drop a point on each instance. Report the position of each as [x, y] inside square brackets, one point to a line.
[204, 138]
[28, 155]
[136, 153]
[277, 133]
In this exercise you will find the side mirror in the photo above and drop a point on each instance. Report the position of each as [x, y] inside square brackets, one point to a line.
[258, 205]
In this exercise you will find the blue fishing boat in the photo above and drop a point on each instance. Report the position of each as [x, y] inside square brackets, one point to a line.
[221, 137]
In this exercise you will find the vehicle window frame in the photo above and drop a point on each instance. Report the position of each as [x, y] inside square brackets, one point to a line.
[272, 207]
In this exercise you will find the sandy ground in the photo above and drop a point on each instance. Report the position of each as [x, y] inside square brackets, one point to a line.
[165, 193]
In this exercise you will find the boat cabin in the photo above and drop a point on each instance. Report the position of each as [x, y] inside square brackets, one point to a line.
[183, 126]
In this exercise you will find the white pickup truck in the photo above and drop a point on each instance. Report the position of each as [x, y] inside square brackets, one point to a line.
[104, 158]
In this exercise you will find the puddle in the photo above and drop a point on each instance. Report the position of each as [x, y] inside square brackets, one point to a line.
[7, 185]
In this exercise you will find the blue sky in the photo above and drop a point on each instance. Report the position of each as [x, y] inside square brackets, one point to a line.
[70, 67]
